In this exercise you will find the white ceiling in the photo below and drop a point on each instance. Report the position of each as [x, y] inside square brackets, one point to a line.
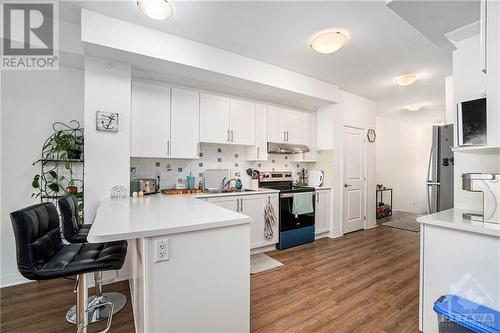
[381, 46]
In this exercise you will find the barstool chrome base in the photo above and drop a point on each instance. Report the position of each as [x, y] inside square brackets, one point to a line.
[119, 300]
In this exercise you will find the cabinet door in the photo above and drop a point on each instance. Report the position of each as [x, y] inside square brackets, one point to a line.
[259, 151]
[150, 120]
[214, 119]
[292, 126]
[185, 119]
[230, 203]
[308, 135]
[322, 220]
[253, 206]
[275, 124]
[242, 122]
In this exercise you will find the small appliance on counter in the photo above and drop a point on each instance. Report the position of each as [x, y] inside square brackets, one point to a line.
[297, 212]
[315, 178]
[489, 185]
[149, 186]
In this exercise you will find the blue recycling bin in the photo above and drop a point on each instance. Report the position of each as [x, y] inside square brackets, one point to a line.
[458, 315]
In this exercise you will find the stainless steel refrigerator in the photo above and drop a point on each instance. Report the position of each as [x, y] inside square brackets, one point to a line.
[440, 170]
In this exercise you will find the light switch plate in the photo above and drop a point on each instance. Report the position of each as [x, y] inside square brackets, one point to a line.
[161, 250]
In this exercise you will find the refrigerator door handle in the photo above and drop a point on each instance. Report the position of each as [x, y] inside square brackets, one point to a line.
[429, 165]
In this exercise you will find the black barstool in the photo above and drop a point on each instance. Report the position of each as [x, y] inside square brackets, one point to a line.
[74, 232]
[41, 255]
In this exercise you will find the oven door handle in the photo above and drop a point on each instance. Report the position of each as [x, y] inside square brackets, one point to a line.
[286, 195]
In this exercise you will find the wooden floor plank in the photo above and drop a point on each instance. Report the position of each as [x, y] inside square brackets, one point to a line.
[366, 281]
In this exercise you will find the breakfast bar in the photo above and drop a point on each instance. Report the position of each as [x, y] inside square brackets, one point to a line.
[183, 277]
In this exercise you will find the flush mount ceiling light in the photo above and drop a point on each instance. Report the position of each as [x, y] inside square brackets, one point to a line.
[156, 9]
[327, 42]
[406, 80]
[414, 107]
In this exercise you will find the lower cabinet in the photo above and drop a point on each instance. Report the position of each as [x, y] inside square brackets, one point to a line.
[323, 211]
[253, 206]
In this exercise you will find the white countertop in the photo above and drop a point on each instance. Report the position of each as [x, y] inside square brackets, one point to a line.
[154, 215]
[452, 218]
[323, 188]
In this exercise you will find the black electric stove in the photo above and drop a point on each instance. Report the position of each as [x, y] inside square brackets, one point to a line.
[294, 229]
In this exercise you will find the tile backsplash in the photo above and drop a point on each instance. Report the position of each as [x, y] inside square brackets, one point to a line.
[212, 156]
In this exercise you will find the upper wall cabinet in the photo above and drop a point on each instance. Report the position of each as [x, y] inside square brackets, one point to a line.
[226, 120]
[150, 120]
[259, 151]
[164, 121]
[283, 126]
[185, 124]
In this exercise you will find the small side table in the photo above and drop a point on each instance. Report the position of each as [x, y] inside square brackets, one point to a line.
[383, 210]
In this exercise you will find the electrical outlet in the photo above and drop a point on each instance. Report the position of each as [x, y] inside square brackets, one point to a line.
[161, 250]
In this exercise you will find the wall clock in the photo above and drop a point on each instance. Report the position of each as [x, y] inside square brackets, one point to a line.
[107, 121]
[371, 135]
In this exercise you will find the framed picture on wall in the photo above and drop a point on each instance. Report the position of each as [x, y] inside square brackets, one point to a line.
[107, 121]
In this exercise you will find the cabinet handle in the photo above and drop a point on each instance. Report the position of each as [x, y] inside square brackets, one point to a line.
[237, 204]
[317, 197]
[258, 152]
[232, 136]
[284, 135]
[228, 138]
[241, 205]
[168, 148]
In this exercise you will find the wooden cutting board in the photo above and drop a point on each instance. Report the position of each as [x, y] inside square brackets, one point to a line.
[173, 191]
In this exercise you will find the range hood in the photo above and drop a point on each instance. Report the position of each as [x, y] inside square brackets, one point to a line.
[286, 148]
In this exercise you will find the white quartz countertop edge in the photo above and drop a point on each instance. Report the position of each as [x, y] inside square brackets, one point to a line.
[452, 219]
[155, 215]
[323, 188]
[229, 194]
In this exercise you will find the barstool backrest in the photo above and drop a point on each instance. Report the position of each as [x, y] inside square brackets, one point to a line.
[36, 229]
[68, 206]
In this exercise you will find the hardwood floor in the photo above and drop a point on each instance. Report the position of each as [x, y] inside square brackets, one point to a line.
[399, 215]
[366, 281]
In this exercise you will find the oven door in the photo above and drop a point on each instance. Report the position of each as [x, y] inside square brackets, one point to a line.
[289, 221]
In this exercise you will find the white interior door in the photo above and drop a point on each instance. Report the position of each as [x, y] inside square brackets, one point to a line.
[354, 179]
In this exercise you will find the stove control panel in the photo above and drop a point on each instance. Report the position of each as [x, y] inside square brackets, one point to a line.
[276, 176]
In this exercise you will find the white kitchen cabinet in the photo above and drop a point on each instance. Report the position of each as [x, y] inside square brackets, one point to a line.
[283, 126]
[228, 202]
[185, 120]
[492, 52]
[226, 120]
[308, 138]
[259, 151]
[214, 119]
[150, 120]
[252, 206]
[323, 214]
[242, 122]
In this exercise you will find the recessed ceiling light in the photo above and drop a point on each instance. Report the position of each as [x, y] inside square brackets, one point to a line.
[414, 107]
[406, 80]
[156, 9]
[327, 42]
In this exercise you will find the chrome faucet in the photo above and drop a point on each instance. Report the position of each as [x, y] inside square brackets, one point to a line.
[225, 184]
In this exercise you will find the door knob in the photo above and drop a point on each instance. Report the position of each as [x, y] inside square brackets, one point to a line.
[347, 185]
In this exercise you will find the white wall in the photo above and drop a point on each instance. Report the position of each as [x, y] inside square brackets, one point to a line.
[107, 155]
[356, 111]
[402, 156]
[31, 102]
[469, 82]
